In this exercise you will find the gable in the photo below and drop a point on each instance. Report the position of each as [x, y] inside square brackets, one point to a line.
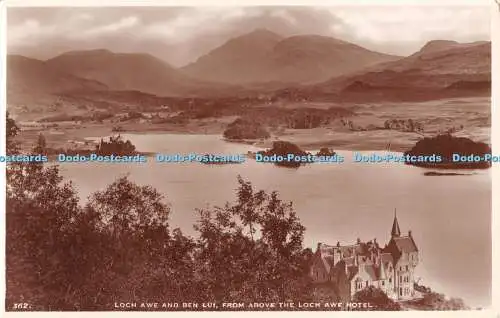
[405, 244]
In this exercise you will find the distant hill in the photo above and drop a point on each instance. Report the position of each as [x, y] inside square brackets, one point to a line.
[314, 58]
[448, 57]
[264, 56]
[439, 69]
[240, 60]
[127, 71]
[30, 79]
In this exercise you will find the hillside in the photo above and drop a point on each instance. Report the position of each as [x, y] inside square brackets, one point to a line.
[448, 57]
[314, 58]
[438, 70]
[32, 80]
[263, 56]
[127, 71]
[240, 60]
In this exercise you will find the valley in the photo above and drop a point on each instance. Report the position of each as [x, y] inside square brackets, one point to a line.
[314, 91]
[469, 117]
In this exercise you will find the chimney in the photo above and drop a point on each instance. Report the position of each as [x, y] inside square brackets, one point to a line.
[358, 241]
[338, 244]
[409, 233]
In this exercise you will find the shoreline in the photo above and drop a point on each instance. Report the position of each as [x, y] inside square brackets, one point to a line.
[72, 136]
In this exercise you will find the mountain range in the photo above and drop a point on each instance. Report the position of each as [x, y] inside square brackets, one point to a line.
[258, 60]
[439, 66]
[264, 56]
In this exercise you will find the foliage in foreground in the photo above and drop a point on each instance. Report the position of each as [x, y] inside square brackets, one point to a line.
[118, 247]
[436, 301]
[377, 298]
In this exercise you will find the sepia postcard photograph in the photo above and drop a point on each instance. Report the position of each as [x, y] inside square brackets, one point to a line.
[248, 158]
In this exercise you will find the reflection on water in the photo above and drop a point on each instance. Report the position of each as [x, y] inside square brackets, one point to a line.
[449, 215]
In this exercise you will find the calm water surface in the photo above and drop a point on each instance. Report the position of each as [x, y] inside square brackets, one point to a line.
[449, 215]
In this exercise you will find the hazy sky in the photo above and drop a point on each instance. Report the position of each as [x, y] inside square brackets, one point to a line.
[180, 35]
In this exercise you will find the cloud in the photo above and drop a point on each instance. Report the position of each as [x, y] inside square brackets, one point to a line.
[413, 26]
[27, 32]
[121, 25]
[181, 34]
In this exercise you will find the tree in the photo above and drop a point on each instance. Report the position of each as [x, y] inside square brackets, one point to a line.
[40, 216]
[446, 146]
[61, 256]
[127, 206]
[377, 298]
[325, 151]
[143, 260]
[411, 125]
[11, 131]
[245, 129]
[252, 250]
[41, 145]
[387, 124]
[436, 301]
[115, 146]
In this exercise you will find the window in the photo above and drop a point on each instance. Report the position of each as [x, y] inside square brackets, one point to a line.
[406, 267]
[359, 284]
[390, 280]
[383, 283]
[400, 291]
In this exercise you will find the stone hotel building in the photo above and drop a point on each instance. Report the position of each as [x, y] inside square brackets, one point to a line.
[351, 268]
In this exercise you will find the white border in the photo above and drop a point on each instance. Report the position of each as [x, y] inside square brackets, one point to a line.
[3, 106]
[97, 3]
[495, 139]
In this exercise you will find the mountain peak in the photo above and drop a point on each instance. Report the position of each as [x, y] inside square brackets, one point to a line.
[264, 56]
[89, 52]
[262, 31]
